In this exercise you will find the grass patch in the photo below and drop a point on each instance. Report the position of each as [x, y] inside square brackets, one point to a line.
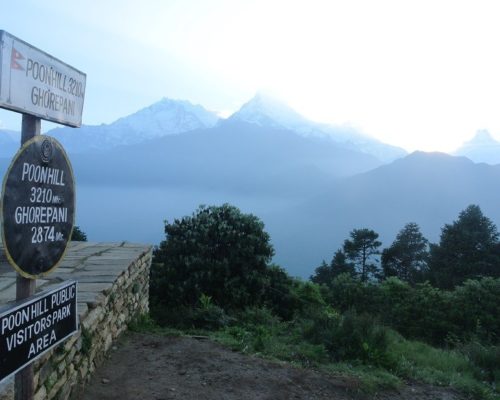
[145, 324]
[407, 360]
[313, 342]
[273, 343]
[419, 361]
[280, 344]
[372, 379]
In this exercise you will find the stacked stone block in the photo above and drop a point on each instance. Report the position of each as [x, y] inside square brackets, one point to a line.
[113, 289]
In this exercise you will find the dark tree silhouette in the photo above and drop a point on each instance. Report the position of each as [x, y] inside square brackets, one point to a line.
[408, 255]
[218, 252]
[360, 250]
[468, 248]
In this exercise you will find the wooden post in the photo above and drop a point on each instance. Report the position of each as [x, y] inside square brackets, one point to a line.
[30, 128]
[24, 388]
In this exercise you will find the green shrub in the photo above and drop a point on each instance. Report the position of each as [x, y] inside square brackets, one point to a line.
[349, 293]
[142, 323]
[78, 235]
[318, 325]
[359, 337]
[165, 315]
[421, 312]
[256, 316]
[476, 309]
[485, 361]
[212, 317]
[279, 295]
[217, 251]
[351, 336]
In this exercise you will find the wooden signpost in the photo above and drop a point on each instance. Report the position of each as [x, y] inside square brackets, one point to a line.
[38, 207]
[35, 83]
[38, 191]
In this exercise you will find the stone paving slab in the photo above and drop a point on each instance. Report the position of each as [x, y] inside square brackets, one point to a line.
[100, 272]
[96, 279]
[95, 266]
[6, 282]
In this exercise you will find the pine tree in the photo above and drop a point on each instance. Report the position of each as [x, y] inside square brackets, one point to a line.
[361, 249]
[325, 273]
[408, 255]
[468, 248]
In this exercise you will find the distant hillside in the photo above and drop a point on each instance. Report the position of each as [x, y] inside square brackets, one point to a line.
[481, 148]
[233, 155]
[309, 189]
[427, 188]
[298, 186]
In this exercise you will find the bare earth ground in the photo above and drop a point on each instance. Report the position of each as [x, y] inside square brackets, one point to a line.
[144, 366]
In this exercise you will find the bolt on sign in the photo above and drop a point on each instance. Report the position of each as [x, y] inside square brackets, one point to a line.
[32, 327]
[33, 82]
[38, 207]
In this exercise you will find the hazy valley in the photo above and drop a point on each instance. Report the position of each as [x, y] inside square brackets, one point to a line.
[310, 183]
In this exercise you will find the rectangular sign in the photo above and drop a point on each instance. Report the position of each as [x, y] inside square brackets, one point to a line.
[33, 326]
[33, 82]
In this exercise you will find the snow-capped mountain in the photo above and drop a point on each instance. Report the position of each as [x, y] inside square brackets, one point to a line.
[264, 110]
[168, 117]
[481, 148]
[165, 117]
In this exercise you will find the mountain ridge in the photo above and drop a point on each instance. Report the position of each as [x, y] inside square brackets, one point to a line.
[481, 148]
[307, 207]
[265, 110]
[165, 117]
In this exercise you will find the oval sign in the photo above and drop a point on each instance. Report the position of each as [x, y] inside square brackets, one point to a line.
[38, 207]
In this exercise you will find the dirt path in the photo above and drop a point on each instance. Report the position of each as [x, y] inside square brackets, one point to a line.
[160, 368]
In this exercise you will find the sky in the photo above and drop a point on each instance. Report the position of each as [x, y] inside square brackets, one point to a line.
[423, 75]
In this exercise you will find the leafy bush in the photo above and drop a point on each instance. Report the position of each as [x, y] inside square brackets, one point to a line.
[317, 326]
[359, 337]
[348, 292]
[421, 312]
[218, 251]
[257, 316]
[208, 315]
[279, 295]
[78, 235]
[204, 315]
[424, 312]
[476, 309]
[485, 360]
[350, 336]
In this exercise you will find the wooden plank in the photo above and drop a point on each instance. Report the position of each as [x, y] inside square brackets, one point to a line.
[24, 387]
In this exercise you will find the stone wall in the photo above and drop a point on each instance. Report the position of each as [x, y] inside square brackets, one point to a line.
[113, 289]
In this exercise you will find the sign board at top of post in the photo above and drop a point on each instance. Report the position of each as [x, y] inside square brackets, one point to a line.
[38, 207]
[33, 82]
